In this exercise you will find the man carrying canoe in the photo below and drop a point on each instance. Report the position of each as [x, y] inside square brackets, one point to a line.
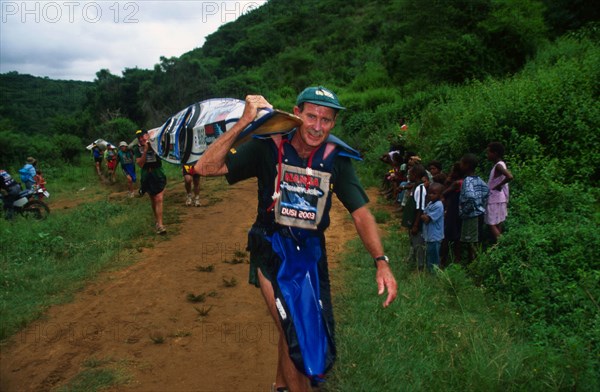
[297, 174]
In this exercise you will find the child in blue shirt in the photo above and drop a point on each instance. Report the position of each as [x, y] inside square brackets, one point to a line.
[433, 227]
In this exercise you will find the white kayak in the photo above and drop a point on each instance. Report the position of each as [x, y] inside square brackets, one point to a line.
[184, 137]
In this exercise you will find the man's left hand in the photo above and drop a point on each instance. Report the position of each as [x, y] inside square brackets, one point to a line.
[385, 280]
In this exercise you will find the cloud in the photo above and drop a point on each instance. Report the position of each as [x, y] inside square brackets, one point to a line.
[75, 39]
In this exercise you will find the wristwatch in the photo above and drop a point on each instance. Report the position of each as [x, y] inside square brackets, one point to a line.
[381, 258]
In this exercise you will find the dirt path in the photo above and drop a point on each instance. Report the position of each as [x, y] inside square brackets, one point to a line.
[139, 321]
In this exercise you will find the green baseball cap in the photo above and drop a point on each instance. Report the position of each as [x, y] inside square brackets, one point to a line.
[319, 96]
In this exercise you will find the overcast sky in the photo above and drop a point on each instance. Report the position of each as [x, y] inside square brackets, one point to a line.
[74, 39]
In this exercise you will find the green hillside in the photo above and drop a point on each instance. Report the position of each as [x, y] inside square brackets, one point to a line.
[28, 104]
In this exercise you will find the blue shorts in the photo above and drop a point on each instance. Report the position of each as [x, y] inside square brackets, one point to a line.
[129, 170]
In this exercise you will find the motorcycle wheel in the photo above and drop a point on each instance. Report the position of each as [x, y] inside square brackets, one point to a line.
[35, 209]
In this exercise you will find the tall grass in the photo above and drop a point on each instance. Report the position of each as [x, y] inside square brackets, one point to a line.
[442, 333]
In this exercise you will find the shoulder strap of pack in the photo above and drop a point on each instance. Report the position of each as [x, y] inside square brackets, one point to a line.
[345, 149]
[333, 141]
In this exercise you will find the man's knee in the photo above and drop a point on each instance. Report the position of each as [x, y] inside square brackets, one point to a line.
[158, 198]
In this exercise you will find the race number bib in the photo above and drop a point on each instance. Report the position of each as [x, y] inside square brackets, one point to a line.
[303, 197]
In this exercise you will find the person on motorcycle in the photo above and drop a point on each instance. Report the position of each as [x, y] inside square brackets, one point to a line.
[10, 192]
[40, 183]
[27, 172]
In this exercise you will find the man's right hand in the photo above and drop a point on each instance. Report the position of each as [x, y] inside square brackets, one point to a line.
[253, 104]
[212, 162]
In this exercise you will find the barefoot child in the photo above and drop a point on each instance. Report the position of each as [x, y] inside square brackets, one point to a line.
[497, 208]
[472, 204]
[411, 216]
[433, 227]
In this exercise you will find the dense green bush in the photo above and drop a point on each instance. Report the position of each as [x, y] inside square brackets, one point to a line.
[547, 264]
[55, 150]
[457, 40]
[553, 101]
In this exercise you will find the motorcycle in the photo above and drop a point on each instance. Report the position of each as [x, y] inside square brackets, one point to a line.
[39, 193]
[27, 206]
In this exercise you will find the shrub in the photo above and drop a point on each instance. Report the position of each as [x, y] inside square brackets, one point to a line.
[546, 264]
[553, 101]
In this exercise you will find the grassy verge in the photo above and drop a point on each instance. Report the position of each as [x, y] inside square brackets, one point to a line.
[442, 333]
[44, 263]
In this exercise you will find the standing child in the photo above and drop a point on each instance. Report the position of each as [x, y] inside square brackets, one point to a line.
[435, 169]
[405, 186]
[411, 216]
[472, 204]
[426, 181]
[452, 222]
[433, 228]
[497, 207]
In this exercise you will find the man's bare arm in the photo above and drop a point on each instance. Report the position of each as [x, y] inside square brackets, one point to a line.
[212, 162]
[141, 161]
[367, 231]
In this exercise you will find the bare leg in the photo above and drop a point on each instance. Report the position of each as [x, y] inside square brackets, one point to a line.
[496, 231]
[287, 374]
[457, 251]
[130, 183]
[187, 182]
[197, 185]
[157, 208]
[196, 191]
[444, 251]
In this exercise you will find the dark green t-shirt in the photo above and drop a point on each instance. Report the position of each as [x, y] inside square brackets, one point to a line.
[258, 158]
[152, 159]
